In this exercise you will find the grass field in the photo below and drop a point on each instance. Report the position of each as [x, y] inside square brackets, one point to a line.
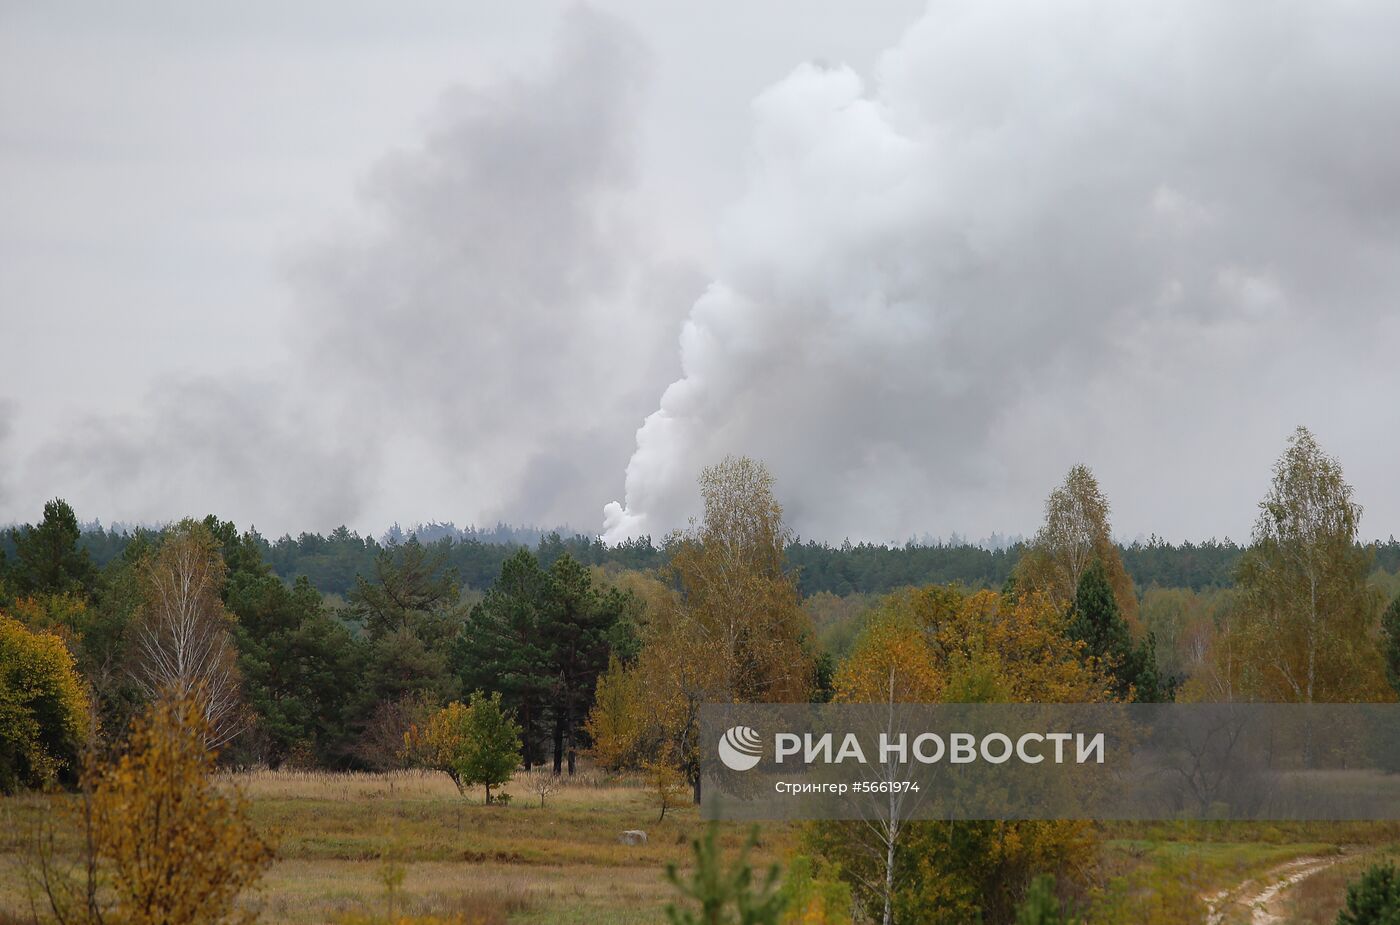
[562, 862]
[338, 834]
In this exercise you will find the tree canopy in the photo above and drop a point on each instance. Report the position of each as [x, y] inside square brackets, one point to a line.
[43, 709]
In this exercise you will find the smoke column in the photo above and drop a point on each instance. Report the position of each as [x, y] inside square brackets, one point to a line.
[1037, 234]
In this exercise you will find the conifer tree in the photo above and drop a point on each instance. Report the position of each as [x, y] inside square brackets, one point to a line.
[1096, 621]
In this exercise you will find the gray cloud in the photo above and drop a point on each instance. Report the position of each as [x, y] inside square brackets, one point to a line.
[503, 305]
[203, 446]
[7, 414]
[484, 342]
[1043, 234]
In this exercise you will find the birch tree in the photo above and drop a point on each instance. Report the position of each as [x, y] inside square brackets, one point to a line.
[1075, 533]
[734, 592]
[729, 628]
[1310, 617]
[932, 645]
[183, 640]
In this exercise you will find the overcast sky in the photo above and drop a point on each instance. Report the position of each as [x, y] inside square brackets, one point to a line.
[312, 263]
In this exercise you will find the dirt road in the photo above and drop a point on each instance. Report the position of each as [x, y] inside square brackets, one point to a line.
[1262, 896]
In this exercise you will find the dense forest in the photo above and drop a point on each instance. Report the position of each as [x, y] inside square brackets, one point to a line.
[332, 562]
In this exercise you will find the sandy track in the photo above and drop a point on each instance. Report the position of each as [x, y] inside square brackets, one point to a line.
[1261, 894]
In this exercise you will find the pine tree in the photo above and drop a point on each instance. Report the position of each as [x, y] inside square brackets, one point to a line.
[413, 590]
[575, 639]
[48, 559]
[503, 645]
[726, 894]
[1374, 899]
[1390, 628]
[1096, 621]
[1041, 906]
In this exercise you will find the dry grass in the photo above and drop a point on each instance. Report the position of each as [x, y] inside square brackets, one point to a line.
[559, 864]
[587, 787]
[563, 864]
[1223, 859]
[1318, 899]
[297, 892]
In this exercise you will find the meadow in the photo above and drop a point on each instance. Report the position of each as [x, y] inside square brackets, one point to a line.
[343, 838]
[365, 847]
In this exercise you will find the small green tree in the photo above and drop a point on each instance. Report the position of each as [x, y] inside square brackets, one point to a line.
[814, 894]
[1390, 628]
[1041, 906]
[491, 745]
[1374, 899]
[727, 895]
[474, 743]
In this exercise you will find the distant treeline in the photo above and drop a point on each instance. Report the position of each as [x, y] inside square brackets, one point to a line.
[331, 562]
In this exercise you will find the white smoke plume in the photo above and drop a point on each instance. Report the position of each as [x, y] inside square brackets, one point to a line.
[1131, 233]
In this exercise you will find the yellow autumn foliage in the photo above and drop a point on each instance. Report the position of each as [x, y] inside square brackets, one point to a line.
[665, 781]
[731, 629]
[177, 848]
[1076, 531]
[617, 723]
[437, 743]
[488, 917]
[64, 615]
[43, 708]
[938, 646]
[893, 660]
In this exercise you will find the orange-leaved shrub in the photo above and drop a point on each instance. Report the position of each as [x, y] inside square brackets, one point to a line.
[176, 848]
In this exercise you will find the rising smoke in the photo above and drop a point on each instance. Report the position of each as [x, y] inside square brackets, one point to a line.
[1152, 237]
[483, 343]
[1148, 237]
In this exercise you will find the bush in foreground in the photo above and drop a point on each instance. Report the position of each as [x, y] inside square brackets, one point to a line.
[725, 894]
[169, 846]
[1374, 899]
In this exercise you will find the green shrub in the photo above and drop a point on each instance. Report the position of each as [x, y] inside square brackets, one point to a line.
[814, 894]
[1041, 906]
[1374, 899]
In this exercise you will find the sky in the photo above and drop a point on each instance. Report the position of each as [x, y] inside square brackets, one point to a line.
[310, 263]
